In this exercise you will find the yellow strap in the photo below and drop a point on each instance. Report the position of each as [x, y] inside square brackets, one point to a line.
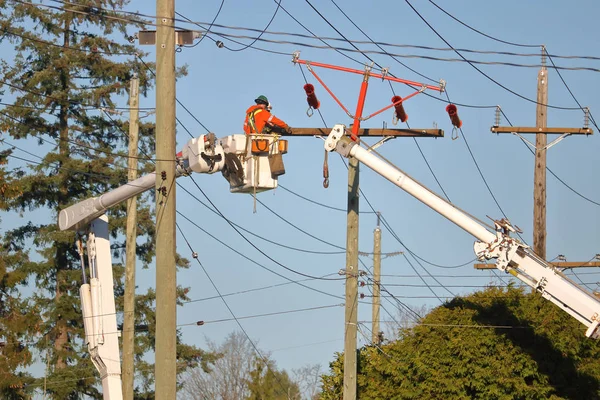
[251, 115]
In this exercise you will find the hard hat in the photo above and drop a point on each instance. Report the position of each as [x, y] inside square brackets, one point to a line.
[262, 100]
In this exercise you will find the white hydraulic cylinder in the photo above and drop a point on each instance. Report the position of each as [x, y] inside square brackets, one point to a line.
[518, 260]
[99, 312]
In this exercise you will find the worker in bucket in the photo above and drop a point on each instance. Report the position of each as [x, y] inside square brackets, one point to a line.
[260, 120]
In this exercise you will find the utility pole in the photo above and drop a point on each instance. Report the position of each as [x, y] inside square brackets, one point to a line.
[351, 310]
[166, 279]
[539, 174]
[131, 235]
[541, 131]
[352, 273]
[376, 338]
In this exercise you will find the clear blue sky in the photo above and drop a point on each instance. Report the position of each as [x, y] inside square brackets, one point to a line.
[223, 82]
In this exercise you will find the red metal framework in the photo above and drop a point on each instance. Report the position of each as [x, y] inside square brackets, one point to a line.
[363, 89]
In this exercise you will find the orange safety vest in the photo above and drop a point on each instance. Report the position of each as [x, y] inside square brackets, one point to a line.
[257, 118]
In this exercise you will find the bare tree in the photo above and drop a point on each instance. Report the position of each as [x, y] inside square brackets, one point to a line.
[308, 379]
[228, 378]
[406, 317]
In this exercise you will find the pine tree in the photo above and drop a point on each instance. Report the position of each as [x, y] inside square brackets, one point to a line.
[72, 63]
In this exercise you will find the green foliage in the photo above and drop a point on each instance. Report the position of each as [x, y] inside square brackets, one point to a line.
[495, 344]
[266, 382]
[68, 66]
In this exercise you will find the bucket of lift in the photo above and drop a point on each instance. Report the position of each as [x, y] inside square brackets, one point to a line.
[253, 162]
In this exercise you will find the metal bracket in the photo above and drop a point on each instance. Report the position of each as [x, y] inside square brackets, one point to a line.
[503, 248]
[546, 147]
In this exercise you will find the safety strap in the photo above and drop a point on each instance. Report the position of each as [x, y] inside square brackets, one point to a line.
[251, 120]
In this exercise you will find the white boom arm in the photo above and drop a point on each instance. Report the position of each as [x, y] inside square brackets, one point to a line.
[246, 169]
[511, 255]
[98, 308]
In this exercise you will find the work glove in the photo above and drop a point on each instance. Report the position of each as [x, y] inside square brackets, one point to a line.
[288, 130]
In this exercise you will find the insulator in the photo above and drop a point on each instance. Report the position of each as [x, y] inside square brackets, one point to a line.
[400, 113]
[497, 121]
[311, 98]
[453, 113]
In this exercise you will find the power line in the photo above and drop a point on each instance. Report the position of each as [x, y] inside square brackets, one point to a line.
[236, 319]
[479, 70]
[479, 32]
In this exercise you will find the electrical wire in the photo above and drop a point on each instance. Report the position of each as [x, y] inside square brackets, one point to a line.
[257, 263]
[258, 236]
[479, 70]
[479, 32]
[551, 171]
[236, 319]
[209, 26]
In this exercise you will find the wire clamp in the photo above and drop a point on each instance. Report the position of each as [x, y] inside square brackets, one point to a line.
[295, 57]
[384, 72]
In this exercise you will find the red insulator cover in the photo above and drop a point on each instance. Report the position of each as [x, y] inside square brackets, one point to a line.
[453, 113]
[400, 113]
[311, 98]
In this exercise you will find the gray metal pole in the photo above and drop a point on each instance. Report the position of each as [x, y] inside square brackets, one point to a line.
[166, 280]
[131, 235]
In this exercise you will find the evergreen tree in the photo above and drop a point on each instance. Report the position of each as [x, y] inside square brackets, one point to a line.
[268, 383]
[66, 65]
[495, 344]
[17, 321]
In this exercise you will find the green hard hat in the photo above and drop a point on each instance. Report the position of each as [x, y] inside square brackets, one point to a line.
[261, 100]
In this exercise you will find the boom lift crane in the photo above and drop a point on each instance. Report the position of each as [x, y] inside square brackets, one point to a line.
[246, 161]
[511, 255]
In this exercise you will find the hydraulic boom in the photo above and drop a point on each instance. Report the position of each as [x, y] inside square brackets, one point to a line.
[511, 255]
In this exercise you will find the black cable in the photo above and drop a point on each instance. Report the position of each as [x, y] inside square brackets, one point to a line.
[479, 32]
[376, 44]
[479, 70]
[256, 262]
[252, 244]
[552, 172]
[209, 27]
[195, 255]
[256, 235]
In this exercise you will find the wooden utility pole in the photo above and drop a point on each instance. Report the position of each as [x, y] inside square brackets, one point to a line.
[539, 174]
[166, 279]
[541, 145]
[351, 309]
[376, 338]
[352, 272]
[131, 236]
[351, 314]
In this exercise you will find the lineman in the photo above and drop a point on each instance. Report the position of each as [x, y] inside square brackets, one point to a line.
[260, 120]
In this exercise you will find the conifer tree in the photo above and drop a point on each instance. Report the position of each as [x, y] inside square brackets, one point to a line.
[66, 66]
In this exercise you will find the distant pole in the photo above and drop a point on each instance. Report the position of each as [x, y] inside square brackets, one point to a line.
[131, 235]
[539, 176]
[166, 280]
[376, 282]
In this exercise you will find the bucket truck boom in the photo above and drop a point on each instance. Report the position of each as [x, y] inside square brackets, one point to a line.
[246, 161]
[511, 255]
